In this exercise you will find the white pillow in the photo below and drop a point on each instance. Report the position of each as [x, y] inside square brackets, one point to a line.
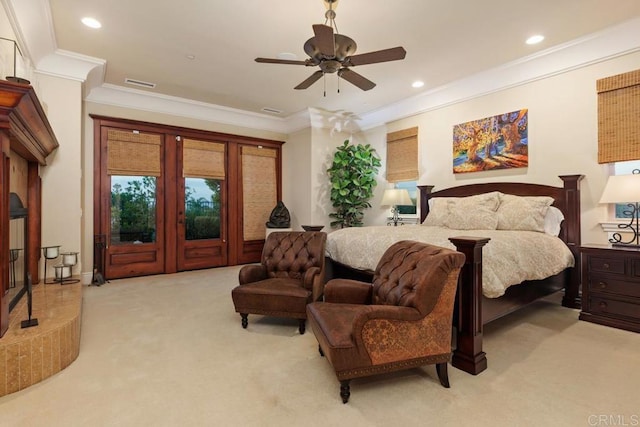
[472, 215]
[438, 211]
[464, 213]
[552, 221]
[522, 212]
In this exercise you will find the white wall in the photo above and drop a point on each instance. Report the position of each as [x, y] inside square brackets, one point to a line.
[62, 197]
[563, 137]
[296, 179]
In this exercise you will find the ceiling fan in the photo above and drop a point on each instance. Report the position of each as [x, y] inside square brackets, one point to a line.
[334, 52]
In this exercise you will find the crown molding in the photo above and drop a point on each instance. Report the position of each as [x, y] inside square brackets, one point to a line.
[597, 47]
[34, 30]
[119, 96]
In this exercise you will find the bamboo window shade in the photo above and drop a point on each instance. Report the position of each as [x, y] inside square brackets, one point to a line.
[259, 190]
[619, 117]
[402, 155]
[133, 153]
[203, 159]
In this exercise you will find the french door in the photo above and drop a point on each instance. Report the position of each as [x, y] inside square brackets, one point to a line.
[201, 200]
[169, 199]
[132, 210]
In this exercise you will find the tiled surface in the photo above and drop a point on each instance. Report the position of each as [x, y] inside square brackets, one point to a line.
[30, 355]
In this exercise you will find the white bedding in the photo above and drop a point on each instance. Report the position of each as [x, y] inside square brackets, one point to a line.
[509, 258]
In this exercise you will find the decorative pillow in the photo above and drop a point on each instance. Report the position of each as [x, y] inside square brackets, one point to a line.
[443, 211]
[438, 212]
[552, 221]
[473, 212]
[522, 212]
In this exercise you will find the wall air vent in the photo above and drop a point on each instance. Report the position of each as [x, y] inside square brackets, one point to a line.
[140, 83]
[271, 110]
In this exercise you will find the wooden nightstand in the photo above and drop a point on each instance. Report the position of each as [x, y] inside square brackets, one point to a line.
[611, 286]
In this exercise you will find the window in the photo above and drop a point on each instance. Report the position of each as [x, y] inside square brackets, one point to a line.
[411, 187]
[624, 168]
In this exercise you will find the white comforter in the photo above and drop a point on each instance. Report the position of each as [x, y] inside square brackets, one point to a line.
[509, 258]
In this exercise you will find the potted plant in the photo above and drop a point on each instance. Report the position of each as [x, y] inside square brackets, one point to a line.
[353, 178]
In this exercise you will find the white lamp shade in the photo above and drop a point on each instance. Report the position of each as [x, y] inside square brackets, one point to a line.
[395, 197]
[622, 189]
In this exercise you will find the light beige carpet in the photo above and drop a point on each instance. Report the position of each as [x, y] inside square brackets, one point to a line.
[170, 351]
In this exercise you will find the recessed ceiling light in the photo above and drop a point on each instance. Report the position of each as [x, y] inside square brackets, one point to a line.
[535, 39]
[91, 22]
[287, 56]
[417, 84]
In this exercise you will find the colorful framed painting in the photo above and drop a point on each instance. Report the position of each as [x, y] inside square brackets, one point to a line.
[497, 142]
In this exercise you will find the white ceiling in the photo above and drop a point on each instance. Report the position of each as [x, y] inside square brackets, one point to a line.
[445, 40]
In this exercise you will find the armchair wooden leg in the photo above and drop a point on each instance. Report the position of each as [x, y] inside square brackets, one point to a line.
[301, 326]
[443, 375]
[344, 390]
[245, 320]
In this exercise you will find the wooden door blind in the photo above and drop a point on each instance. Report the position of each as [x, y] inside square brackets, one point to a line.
[133, 153]
[619, 117]
[203, 159]
[402, 155]
[259, 190]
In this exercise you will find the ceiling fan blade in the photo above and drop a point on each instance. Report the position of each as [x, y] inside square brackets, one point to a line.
[280, 61]
[325, 41]
[393, 54]
[356, 79]
[310, 80]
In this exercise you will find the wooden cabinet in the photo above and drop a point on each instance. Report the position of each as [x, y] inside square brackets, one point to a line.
[611, 286]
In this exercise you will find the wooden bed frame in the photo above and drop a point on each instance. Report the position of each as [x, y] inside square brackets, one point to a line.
[473, 310]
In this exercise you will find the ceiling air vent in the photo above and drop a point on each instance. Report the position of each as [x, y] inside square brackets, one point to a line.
[271, 110]
[140, 83]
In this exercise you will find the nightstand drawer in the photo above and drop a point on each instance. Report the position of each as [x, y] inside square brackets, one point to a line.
[635, 268]
[601, 283]
[614, 308]
[609, 265]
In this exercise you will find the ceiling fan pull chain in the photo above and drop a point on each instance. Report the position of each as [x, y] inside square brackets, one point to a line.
[324, 82]
[338, 83]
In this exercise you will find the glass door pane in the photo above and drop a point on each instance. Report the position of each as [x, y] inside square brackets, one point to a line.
[202, 208]
[133, 209]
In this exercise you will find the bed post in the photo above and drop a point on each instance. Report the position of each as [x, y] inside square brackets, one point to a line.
[571, 297]
[468, 355]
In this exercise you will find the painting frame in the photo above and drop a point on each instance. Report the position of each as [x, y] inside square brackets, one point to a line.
[491, 143]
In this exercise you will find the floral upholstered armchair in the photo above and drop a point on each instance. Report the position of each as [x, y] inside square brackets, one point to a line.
[402, 320]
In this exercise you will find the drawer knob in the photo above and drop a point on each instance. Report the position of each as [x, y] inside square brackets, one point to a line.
[602, 285]
[605, 265]
[603, 305]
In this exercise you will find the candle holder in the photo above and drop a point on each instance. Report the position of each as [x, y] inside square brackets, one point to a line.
[50, 252]
[64, 271]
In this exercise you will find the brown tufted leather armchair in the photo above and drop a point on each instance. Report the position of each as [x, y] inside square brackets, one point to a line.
[401, 321]
[290, 275]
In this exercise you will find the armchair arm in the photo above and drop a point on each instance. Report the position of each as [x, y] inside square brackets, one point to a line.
[314, 281]
[393, 333]
[252, 273]
[347, 291]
